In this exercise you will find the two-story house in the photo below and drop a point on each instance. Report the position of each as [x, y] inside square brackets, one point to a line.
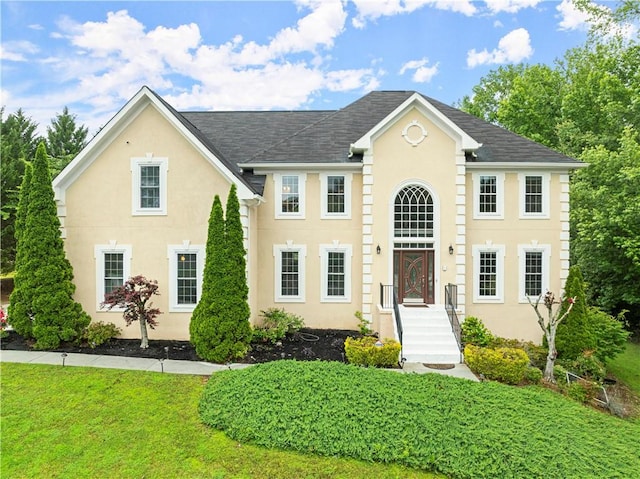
[394, 194]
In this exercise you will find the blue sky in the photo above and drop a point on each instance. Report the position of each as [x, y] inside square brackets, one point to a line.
[308, 54]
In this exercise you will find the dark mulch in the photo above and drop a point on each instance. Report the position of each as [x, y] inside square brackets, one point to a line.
[307, 345]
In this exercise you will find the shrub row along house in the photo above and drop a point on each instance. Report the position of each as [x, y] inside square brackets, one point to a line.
[394, 193]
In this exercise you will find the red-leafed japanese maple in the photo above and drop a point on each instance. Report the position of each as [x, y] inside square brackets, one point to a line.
[134, 296]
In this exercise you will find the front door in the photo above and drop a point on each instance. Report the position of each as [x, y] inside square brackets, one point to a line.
[416, 283]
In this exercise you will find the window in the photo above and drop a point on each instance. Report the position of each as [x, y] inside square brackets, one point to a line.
[488, 277]
[488, 195]
[290, 272]
[335, 262]
[336, 195]
[534, 195]
[534, 270]
[149, 186]
[290, 195]
[186, 266]
[413, 215]
[113, 268]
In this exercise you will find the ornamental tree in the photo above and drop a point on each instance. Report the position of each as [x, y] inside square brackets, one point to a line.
[134, 296]
[42, 303]
[550, 326]
[575, 334]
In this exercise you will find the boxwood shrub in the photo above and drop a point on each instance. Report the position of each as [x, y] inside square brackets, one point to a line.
[364, 352]
[506, 365]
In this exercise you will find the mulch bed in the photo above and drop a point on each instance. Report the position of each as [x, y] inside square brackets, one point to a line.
[307, 345]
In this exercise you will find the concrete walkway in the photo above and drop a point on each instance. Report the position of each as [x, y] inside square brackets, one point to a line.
[176, 367]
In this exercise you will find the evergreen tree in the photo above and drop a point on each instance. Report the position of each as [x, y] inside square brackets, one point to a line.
[64, 140]
[574, 334]
[46, 277]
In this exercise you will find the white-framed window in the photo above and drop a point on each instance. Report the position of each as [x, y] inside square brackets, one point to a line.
[534, 195]
[113, 268]
[335, 280]
[335, 191]
[488, 195]
[534, 263]
[290, 195]
[186, 267]
[290, 272]
[149, 186]
[488, 273]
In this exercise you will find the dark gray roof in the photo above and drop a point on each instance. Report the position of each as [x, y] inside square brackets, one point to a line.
[264, 137]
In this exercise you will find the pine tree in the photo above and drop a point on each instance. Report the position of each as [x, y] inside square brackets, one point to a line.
[64, 140]
[574, 334]
[46, 276]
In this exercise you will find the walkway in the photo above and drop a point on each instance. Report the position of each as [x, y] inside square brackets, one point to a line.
[173, 366]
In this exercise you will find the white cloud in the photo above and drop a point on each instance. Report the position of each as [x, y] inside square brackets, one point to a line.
[17, 51]
[35, 26]
[371, 10]
[510, 6]
[571, 17]
[422, 73]
[514, 47]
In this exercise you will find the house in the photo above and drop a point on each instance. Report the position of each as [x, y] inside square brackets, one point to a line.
[394, 193]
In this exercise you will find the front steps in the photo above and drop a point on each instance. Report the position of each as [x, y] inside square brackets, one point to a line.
[427, 336]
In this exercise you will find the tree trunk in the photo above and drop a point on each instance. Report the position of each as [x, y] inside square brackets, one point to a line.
[551, 355]
[143, 334]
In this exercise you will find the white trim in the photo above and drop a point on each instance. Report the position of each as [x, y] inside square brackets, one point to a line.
[172, 252]
[324, 251]
[499, 213]
[545, 249]
[136, 165]
[302, 181]
[266, 168]
[324, 214]
[525, 165]
[499, 250]
[99, 251]
[546, 191]
[302, 253]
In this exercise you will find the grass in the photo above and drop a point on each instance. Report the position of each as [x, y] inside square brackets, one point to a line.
[626, 367]
[86, 423]
[433, 422]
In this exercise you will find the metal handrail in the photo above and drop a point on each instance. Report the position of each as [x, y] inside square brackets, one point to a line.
[396, 313]
[451, 304]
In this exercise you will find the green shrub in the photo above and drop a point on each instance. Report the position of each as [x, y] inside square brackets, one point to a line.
[583, 391]
[506, 365]
[366, 352]
[475, 332]
[587, 365]
[276, 324]
[533, 375]
[560, 374]
[537, 353]
[363, 324]
[610, 334]
[98, 333]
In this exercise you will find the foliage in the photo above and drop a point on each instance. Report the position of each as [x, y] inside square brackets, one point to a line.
[363, 324]
[610, 334]
[82, 422]
[626, 367]
[560, 375]
[588, 366]
[533, 375]
[369, 351]
[583, 391]
[41, 304]
[3, 324]
[506, 365]
[219, 328]
[134, 296]
[432, 422]
[537, 353]
[276, 324]
[64, 140]
[575, 334]
[475, 332]
[98, 333]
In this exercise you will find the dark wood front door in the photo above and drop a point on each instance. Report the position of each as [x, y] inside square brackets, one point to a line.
[416, 281]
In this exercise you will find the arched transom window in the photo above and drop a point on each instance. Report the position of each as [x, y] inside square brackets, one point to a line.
[413, 213]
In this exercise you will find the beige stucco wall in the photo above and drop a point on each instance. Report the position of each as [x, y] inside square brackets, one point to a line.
[98, 210]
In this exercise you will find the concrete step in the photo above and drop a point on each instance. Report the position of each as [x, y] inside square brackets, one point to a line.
[434, 358]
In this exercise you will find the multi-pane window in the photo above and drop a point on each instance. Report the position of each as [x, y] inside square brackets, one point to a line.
[488, 274]
[150, 186]
[533, 194]
[413, 213]
[290, 194]
[187, 278]
[335, 194]
[533, 273]
[290, 274]
[113, 271]
[336, 273]
[488, 199]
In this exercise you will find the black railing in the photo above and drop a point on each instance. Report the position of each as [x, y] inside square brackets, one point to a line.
[386, 296]
[396, 314]
[451, 304]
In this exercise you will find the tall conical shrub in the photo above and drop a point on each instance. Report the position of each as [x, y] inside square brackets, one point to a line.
[574, 334]
[46, 278]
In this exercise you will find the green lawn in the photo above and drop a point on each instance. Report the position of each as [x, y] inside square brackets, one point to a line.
[626, 367]
[88, 423]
